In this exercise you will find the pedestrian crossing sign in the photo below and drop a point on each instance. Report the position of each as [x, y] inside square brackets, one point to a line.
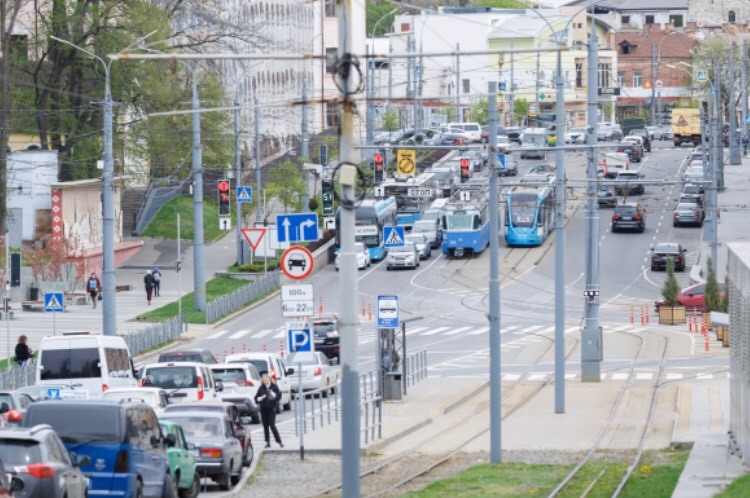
[682, 121]
[244, 195]
[54, 302]
[393, 236]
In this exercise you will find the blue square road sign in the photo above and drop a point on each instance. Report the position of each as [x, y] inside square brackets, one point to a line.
[54, 302]
[297, 227]
[393, 236]
[244, 195]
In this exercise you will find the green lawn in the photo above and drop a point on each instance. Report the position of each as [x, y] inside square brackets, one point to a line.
[164, 224]
[655, 477]
[215, 288]
[740, 488]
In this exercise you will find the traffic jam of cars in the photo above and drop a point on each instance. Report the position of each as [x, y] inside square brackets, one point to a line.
[95, 423]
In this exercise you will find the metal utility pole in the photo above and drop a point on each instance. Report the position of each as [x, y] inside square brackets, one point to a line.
[658, 94]
[109, 283]
[415, 105]
[178, 269]
[409, 69]
[560, 240]
[536, 87]
[458, 83]
[258, 188]
[390, 80]
[348, 286]
[237, 180]
[653, 84]
[199, 249]
[305, 150]
[494, 284]
[512, 87]
[369, 95]
[420, 89]
[591, 346]
[716, 159]
[743, 68]
[734, 145]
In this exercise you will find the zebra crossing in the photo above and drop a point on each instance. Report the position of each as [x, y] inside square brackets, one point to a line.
[605, 376]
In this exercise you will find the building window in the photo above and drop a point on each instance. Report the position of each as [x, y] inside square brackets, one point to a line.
[330, 7]
[625, 20]
[579, 74]
[332, 115]
[604, 74]
[637, 79]
[732, 17]
[620, 79]
[649, 19]
[331, 54]
[19, 47]
[676, 21]
[466, 85]
[624, 48]
[405, 27]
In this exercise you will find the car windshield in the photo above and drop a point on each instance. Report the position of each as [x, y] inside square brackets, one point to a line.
[627, 176]
[324, 326]
[692, 190]
[685, 206]
[174, 357]
[408, 247]
[172, 377]
[198, 427]
[260, 365]
[459, 222]
[72, 363]
[7, 398]
[423, 227]
[19, 452]
[625, 210]
[78, 424]
[228, 374]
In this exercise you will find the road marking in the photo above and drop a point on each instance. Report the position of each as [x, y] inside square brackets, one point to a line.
[458, 330]
[570, 330]
[239, 333]
[570, 376]
[479, 331]
[643, 376]
[532, 328]
[538, 376]
[415, 330]
[262, 333]
[704, 376]
[216, 335]
[511, 377]
[436, 331]
[619, 376]
[674, 376]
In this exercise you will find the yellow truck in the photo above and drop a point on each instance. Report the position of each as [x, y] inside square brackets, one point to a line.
[686, 126]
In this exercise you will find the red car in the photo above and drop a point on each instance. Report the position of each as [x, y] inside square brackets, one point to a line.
[692, 298]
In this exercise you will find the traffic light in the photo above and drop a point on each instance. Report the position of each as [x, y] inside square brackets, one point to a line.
[379, 171]
[327, 197]
[224, 198]
[465, 169]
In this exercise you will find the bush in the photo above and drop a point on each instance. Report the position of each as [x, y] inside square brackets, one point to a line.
[671, 286]
[313, 204]
[258, 267]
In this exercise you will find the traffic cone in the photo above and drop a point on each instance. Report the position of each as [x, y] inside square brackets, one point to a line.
[645, 310]
[232, 351]
[632, 315]
[320, 309]
[369, 311]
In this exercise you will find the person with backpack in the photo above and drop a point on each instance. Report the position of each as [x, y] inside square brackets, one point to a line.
[94, 287]
[157, 281]
[148, 282]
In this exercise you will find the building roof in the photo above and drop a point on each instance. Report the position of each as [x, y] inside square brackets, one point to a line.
[635, 5]
[670, 45]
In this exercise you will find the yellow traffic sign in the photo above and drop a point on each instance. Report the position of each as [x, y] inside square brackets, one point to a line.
[406, 161]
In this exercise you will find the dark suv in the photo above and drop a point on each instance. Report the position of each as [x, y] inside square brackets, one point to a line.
[628, 217]
[664, 251]
[632, 150]
[38, 458]
[645, 135]
[326, 336]
[192, 355]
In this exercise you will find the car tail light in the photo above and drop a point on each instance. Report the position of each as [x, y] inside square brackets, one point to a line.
[105, 387]
[273, 374]
[142, 382]
[122, 461]
[211, 453]
[13, 416]
[38, 470]
[199, 383]
[615, 217]
[638, 217]
[318, 371]
[678, 257]
[655, 256]
[619, 149]
[676, 213]
[247, 383]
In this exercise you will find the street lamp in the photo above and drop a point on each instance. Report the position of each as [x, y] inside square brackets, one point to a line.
[109, 322]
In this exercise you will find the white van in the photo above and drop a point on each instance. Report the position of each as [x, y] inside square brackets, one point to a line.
[89, 363]
[184, 381]
[275, 366]
[473, 129]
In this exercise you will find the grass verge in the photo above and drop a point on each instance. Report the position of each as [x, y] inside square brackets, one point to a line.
[739, 488]
[215, 288]
[164, 224]
[655, 477]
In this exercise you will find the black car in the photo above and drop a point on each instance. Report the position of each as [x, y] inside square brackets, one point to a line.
[326, 336]
[606, 196]
[514, 134]
[629, 182]
[628, 217]
[664, 251]
[632, 150]
[645, 135]
[192, 355]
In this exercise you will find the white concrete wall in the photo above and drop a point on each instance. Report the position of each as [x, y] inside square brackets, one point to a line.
[30, 175]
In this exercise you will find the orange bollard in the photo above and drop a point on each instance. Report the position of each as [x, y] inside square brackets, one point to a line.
[707, 343]
[363, 307]
[369, 311]
[632, 316]
[225, 355]
[643, 319]
[244, 347]
[645, 310]
[281, 348]
[232, 351]
[320, 308]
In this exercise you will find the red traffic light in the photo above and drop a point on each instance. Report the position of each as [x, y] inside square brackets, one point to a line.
[378, 158]
[464, 163]
[223, 186]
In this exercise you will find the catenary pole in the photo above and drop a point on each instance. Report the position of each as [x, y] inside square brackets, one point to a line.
[560, 240]
[716, 158]
[653, 84]
[258, 187]
[743, 68]
[348, 286]
[591, 340]
[305, 151]
[458, 83]
[199, 263]
[494, 284]
[512, 86]
[536, 89]
[734, 145]
[238, 181]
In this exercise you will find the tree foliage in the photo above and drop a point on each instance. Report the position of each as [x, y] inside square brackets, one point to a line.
[520, 109]
[712, 299]
[285, 183]
[480, 112]
[391, 120]
[498, 4]
[379, 13]
[671, 286]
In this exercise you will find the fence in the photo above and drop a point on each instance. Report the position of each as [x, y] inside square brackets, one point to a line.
[738, 290]
[415, 368]
[241, 297]
[17, 377]
[153, 335]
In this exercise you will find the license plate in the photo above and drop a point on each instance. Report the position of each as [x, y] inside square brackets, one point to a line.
[319, 341]
[459, 252]
[626, 218]
[177, 395]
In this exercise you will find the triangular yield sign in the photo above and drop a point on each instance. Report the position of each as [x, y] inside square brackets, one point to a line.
[682, 121]
[253, 236]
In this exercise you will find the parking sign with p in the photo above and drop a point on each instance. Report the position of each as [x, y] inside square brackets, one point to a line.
[300, 343]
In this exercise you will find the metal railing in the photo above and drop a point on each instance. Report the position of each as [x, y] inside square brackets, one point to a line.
[415, 368]
[153, 335]
[17, 377]
[241, 297]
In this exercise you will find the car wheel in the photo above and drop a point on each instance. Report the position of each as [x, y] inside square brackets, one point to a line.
[674, 224]
[225, 480]
[255, 418]
[288, 406]
[653, 268]
[193, 490]
[249, 455]
[168, 488]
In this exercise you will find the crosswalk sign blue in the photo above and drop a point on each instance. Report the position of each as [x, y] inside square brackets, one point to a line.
[701, 75]
[54, 302]
[393, 236]
[501, 160]
[244, 195]
[297, 227]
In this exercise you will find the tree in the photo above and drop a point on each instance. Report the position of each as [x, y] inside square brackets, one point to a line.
[480, 111]
[499, 4]
[671, 286]
[285, 183]
[711, 297]
[520, 109]
[379, 13]
[391, 120]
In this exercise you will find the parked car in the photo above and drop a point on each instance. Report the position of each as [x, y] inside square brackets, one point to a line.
[693, 174]
[645, 135]
[576, 136]
[275, 366]
[693, 190]
[327, 339]
[13, 405]
[181, 456]
[688, 213]
[400, 257]
[664, 251]
[629, 181]
[184, 381]
[693, 298]
[321, 374]
[241, 382]
[629, 216]
[230, 410]
[363, 256]
[420, 241]
[193, 355]
[633, 150]
[36, 456]
[155, 397]
[219, 452]
[122, 440]
[430, 229]
[606, 196]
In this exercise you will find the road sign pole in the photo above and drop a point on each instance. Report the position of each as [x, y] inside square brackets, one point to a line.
[301, 408]
[54, 323]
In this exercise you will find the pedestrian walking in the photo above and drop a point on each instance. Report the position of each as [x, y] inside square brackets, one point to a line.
[23, 351]
[94, 287]
[266, 398]
[745, 143]
[157, 281]
[148, 282]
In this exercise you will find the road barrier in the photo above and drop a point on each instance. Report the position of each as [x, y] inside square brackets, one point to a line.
[415, 368]
[241, 297]
[17, 377]
[152, 336]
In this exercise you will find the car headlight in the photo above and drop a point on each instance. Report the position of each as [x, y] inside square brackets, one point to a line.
[332, 335]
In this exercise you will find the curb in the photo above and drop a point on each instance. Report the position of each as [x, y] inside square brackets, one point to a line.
[455, 404]
[243, 478]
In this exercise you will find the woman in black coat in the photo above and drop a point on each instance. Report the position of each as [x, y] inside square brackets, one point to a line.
[266, 398]
[23, 351]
